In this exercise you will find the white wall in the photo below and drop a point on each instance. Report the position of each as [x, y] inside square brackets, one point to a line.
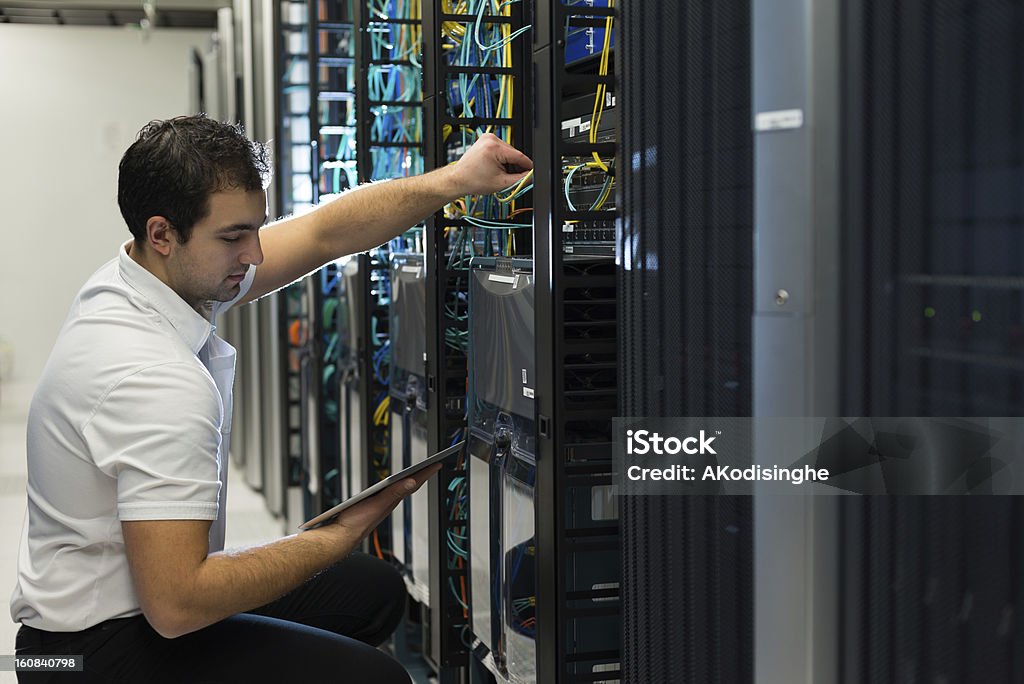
[71, 101]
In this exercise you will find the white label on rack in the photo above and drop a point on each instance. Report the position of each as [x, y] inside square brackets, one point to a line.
[501, 278]
[572, 123]
[524, 376]
[411, 269]
[528, 393]
[780, 120]
[584, 127]
[567, 227]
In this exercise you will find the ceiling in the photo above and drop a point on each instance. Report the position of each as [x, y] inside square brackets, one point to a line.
[169, 13]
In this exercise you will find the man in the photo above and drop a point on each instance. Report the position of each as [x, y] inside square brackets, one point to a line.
[121, 555]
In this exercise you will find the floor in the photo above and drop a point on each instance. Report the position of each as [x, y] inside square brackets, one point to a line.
[249, 522]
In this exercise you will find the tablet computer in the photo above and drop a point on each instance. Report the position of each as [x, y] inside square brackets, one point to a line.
[383, 484]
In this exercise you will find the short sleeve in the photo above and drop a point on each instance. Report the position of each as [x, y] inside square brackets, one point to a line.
[158, 433]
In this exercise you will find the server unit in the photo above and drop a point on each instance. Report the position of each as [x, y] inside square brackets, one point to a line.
[410, 538]
[502, 463]
[584, 41]
[587, 187]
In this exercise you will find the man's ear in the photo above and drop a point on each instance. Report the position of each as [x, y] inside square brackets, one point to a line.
[160, 234]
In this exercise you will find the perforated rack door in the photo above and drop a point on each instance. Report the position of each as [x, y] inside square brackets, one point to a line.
[933, 224]
[686, 273]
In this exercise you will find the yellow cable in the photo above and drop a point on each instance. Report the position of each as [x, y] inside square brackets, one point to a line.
[602, 70]
[380, 416]
[511, 195]
[454, 29]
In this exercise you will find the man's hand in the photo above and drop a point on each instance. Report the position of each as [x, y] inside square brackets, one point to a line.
[362, 518]
[374, 213]
[489, 166]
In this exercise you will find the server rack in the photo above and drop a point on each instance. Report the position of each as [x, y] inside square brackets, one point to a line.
[273, 348]
[373, 351]
[883, 220]
[332, 118]
[295, 160]
[321, 388]
[249, 316]
[232, 320]
[362, 395]
[578, 614]
[371, 289]
[452, 67]
[260, 407]
[296, 319]
[908, 142]
[389, 89]
[930, 133]
[389, 130]
[686, 252]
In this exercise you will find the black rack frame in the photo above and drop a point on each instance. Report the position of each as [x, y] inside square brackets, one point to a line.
[559, 463]
[369, 266]
[328, 438]
[447, 372]
[369, 388]
[292, 300]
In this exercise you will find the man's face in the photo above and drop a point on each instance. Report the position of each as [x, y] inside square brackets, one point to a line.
[211, 265]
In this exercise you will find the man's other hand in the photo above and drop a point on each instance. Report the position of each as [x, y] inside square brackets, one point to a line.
[489, 166]
[362, 518]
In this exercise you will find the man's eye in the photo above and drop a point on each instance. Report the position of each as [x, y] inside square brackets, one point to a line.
[230, 239]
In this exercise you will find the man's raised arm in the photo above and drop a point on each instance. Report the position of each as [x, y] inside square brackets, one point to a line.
[372, 214]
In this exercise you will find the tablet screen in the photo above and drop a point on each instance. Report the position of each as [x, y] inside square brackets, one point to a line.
[383, 484]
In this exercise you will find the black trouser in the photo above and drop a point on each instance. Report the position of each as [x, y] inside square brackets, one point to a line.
[323, 631]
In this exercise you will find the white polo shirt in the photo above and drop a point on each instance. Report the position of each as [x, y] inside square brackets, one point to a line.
[130, 421]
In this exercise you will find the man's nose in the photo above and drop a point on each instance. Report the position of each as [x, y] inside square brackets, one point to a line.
[254, 252]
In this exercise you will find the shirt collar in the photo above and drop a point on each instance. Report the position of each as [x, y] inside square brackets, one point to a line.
[193, 328]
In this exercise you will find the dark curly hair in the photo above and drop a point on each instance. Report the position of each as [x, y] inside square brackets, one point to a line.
[174, 166]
